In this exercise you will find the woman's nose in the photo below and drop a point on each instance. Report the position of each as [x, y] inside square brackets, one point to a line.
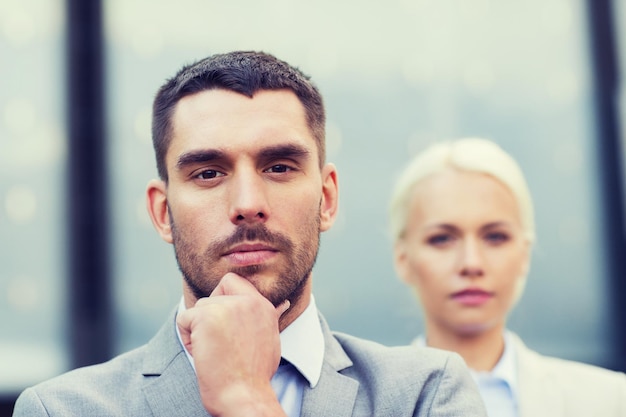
[472, 265]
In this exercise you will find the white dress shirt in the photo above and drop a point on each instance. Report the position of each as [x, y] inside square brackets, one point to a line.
[302, 345]
[497, 387]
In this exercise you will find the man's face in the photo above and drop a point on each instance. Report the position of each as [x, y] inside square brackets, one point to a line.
[245, 192]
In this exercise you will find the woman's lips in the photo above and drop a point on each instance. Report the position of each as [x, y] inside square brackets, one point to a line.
[472, 297]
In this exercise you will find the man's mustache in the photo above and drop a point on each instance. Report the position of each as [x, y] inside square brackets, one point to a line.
[257, 233]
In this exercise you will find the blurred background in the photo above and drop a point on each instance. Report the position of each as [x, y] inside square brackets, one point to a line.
[83, 276]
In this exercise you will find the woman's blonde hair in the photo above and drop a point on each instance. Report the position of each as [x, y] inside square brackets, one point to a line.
[468, 154]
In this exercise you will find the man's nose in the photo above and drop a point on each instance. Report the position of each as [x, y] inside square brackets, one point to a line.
[248, 196]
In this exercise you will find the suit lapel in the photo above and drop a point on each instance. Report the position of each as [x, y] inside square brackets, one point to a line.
[335, 394]
[170, 387]
[538, 395]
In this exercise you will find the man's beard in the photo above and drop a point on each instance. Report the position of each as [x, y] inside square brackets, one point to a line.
[202, 274]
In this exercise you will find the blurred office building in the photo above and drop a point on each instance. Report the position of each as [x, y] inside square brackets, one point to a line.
[83, 276]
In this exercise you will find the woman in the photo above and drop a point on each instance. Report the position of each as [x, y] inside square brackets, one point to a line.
[463, 229]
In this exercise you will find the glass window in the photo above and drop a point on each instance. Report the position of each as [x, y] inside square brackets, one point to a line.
[396, 75]
[32, 158]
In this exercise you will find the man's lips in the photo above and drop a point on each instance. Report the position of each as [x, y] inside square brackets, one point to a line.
[250, 254]
[472, 296]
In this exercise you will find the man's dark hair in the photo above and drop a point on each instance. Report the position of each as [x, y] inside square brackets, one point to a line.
[244, 72]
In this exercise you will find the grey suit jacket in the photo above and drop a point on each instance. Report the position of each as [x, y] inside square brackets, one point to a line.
[359, 378]
[552, 387]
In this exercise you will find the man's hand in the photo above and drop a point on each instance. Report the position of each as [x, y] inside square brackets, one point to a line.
[233, 337]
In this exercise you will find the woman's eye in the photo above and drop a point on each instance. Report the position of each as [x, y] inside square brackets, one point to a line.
[438, 240]
[497, 237]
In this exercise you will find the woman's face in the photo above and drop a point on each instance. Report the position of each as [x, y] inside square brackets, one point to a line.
[464, 251]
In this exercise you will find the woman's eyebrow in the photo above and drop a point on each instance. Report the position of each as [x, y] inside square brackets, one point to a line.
[493, 225]
[445, 226]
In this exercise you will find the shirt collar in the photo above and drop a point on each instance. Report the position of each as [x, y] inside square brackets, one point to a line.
[301, 343]
[506, 368]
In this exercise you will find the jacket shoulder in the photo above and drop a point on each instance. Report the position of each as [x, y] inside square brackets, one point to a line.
[583, 374]
[87, 388]
[569, 387]
[436, 381]
[368, 354]
[111, 388]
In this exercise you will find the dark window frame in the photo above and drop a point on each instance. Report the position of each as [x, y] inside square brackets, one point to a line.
[604, 61]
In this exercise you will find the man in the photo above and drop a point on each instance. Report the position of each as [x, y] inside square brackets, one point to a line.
[243, 194]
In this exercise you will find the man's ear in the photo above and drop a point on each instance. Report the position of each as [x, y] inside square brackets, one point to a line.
[330, 197]
[156, 202]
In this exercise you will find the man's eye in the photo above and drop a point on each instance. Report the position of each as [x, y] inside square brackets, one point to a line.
[209, 174]
[278, 168]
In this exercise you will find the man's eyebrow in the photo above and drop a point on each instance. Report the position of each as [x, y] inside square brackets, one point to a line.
[284, 151]
[211, 155]
[199, 157]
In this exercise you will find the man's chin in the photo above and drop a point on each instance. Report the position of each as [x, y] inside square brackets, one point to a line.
[273, 296]
[264, 283]
[250, 272]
